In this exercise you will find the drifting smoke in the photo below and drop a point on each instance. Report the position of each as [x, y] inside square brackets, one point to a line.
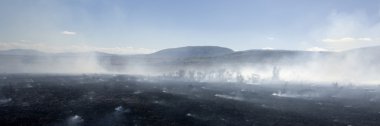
[359, 67]
[51, 63]
[75, 120]
[221, 65]
[296, 95]
[4, 101]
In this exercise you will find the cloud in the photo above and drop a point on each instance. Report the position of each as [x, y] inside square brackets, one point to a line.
[68, 33]
[267, 48]
[349, 30]
[364, 39]
[346, 39]
[72, 48]
[113, 50]
[316, 49]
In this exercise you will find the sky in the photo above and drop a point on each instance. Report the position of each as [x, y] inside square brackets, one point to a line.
[145, 26]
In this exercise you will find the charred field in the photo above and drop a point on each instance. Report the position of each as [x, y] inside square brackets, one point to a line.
[94, 99]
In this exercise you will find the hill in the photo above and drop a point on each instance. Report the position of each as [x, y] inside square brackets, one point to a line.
[192, 51]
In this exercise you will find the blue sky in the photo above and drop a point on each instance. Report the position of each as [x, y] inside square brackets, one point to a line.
[143, 26]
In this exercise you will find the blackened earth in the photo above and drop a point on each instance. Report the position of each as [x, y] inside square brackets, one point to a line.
[109, 100]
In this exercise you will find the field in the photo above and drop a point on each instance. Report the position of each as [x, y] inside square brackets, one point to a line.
[117, 100]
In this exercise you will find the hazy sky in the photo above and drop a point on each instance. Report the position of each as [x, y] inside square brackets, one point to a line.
[143, 26]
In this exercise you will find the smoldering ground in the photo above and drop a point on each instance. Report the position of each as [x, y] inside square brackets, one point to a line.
[96, 99]
[352, 66]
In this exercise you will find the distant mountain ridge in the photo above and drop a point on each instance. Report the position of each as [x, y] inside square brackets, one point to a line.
[21, 52]
[196, 51]
[183, 57]
[192, 51]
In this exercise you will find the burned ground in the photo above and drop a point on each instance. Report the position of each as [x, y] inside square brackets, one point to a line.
[128, 100]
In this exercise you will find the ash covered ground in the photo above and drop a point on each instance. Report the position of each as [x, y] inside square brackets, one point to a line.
[117, 100]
